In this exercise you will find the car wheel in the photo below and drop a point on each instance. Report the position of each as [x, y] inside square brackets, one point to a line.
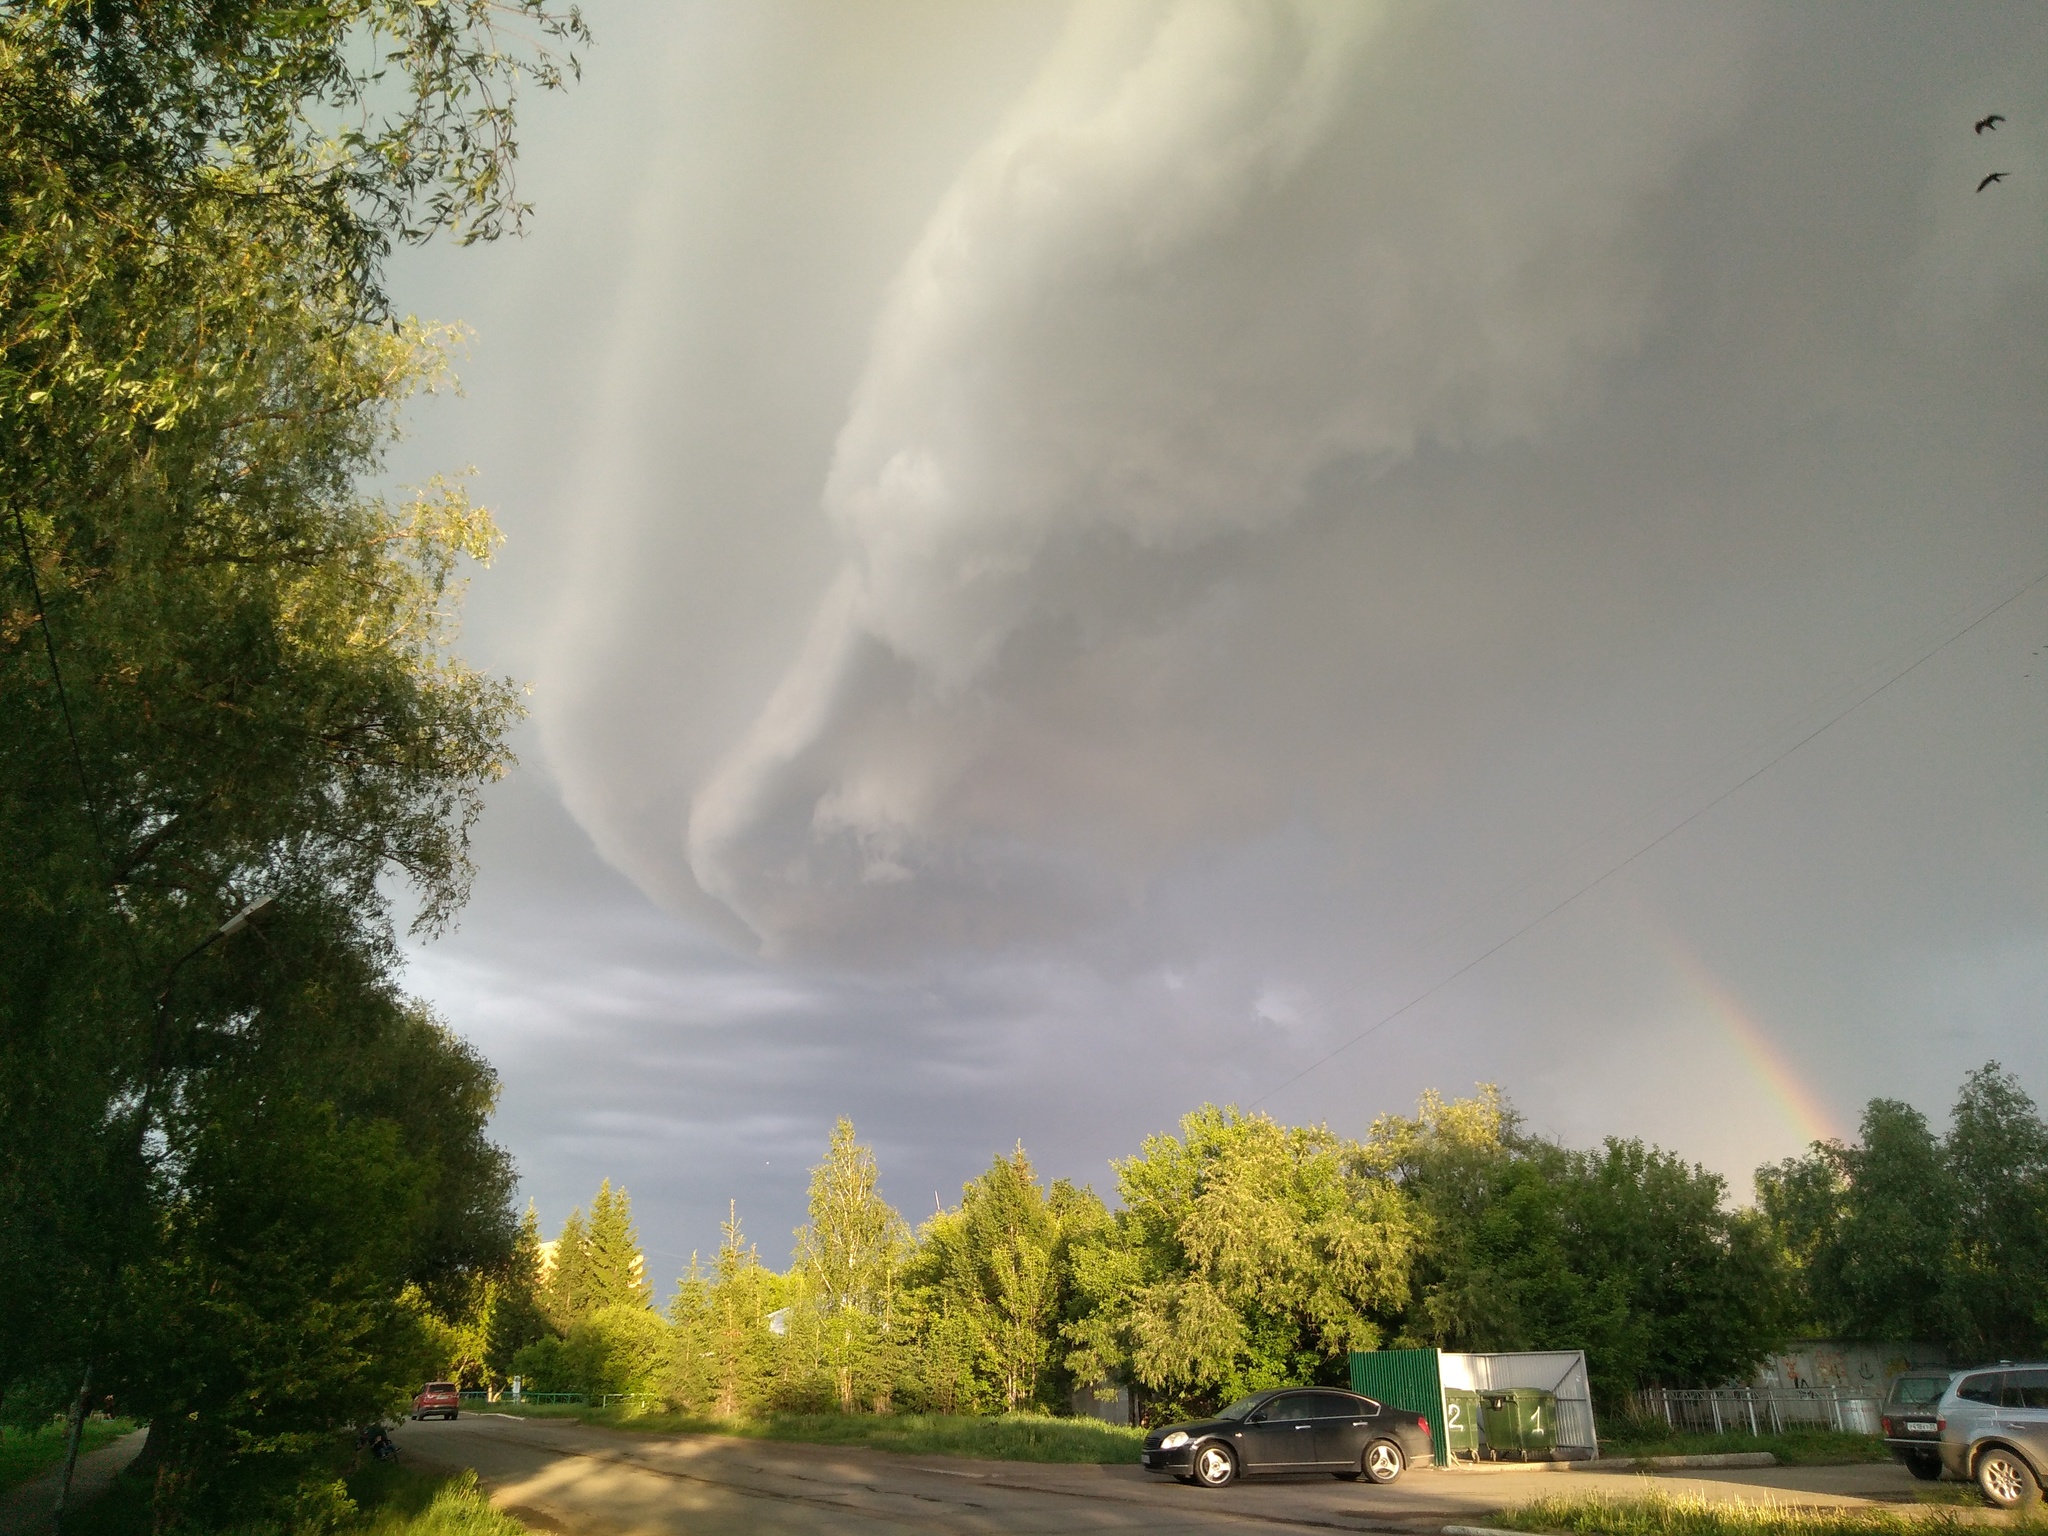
[453, 1416]
[1926, 1468]
[2004, 1478]
[1215, 1467]
[1382, 1462]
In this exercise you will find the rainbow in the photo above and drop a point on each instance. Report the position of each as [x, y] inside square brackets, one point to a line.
[1764, 1057]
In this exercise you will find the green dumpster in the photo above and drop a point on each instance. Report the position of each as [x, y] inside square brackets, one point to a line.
[1520, 1423]
[1461, 1423]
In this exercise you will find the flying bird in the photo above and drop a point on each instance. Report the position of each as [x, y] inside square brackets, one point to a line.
[1991, 122]
[1994, 176]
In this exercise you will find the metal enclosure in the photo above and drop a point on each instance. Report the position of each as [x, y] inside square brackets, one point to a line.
[1422, 1381]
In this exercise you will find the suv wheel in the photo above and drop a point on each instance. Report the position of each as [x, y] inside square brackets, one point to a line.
[2005, 1479]
[1214, 1466]
[1924, 1465]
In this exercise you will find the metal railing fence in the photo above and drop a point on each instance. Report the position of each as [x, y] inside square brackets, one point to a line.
[1760, 1410]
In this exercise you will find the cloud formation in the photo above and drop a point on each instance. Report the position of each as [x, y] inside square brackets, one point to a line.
[1214, 250]
[1086, 561]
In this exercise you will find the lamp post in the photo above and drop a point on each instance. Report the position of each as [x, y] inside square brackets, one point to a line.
[159, 1031]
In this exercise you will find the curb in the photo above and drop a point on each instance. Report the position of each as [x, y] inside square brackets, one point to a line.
[1677, 1463]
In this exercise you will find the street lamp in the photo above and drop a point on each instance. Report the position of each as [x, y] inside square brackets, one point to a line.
[160, 1027]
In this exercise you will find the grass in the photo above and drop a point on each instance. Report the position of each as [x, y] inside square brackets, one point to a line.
[27, 1453]
[1794, 1448]
[404, 1501]
[1658, 1515]
[1010, 1437]
[391, 1499]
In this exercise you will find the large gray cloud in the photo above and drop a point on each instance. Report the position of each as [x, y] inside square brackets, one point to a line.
[1077, 563]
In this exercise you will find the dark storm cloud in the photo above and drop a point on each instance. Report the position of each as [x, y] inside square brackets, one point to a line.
[1076, 566]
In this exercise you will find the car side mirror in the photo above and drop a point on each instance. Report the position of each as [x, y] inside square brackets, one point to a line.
[1258, 1416]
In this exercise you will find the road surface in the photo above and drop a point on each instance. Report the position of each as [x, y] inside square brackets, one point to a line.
[577, 1480]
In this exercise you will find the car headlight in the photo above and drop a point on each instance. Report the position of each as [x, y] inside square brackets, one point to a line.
[1174, 1441]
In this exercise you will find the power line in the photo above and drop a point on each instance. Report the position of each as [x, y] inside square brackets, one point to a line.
[1665, 836]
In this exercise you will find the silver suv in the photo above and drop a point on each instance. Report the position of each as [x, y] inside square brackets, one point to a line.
[1994, 1429]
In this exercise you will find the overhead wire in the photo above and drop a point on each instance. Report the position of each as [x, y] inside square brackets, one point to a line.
[1661, 838]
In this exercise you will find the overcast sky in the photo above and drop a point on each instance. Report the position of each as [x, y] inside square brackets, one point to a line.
[1075, 564]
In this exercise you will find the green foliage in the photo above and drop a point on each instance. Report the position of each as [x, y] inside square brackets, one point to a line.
[613, 1268]
[237, 1178]
[722, 1358]
[844, 1296]
[616, 1349]
[985, 1291]
[567, 1292]
[1627, 1252]
[32, 1450]
[545, 1366]
[1908, 1236]
[1658, 1515]
[1248, 1254]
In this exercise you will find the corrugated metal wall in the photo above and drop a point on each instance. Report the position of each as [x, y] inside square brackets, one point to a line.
[1558, 1371]
[1404, 1378]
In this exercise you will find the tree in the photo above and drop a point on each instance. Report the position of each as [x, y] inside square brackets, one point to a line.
[1996, 1158]
[723, 1351]
[1248, 1254]
[615, 1269]
[518, 1315]
[292, 1291]
[224, 668]
[1906, 1237]
[1626, 1252]
[986, 1281]
[568, 1281]
[846, 1262]
[1870, 1229]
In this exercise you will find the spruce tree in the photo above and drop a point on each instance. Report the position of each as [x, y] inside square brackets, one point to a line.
[568, 1288]
[615, 1273]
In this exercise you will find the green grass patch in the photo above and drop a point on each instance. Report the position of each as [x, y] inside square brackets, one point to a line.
[27, 1453]
[1658, 1515]
[376, 1499]
[1794, 1448]
[413, 1503]
[1005, 1437]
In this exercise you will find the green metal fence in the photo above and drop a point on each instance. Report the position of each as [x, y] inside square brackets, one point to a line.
[1404, 1378]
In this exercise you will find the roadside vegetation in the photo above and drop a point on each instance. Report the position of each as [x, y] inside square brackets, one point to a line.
[327, 1499]
[1623, 1436]
[1242, 1253]
[1658, 1515]
[27, 1453]
[245, 1181]
[994, 1437]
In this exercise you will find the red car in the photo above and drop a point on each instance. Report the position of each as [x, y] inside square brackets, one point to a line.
[442, 1397]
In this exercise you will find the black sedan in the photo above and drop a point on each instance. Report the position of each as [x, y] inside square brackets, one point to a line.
[1293, 1429]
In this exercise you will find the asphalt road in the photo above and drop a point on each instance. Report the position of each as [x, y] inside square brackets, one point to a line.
[577, 1480]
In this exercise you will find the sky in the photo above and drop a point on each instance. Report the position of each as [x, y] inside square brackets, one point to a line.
[1071, 565]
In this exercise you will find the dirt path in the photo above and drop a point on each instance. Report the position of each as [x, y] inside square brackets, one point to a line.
[27, 1509]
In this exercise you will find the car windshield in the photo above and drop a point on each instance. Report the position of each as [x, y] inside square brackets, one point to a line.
[1914, 1391]
[1241, 1407]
